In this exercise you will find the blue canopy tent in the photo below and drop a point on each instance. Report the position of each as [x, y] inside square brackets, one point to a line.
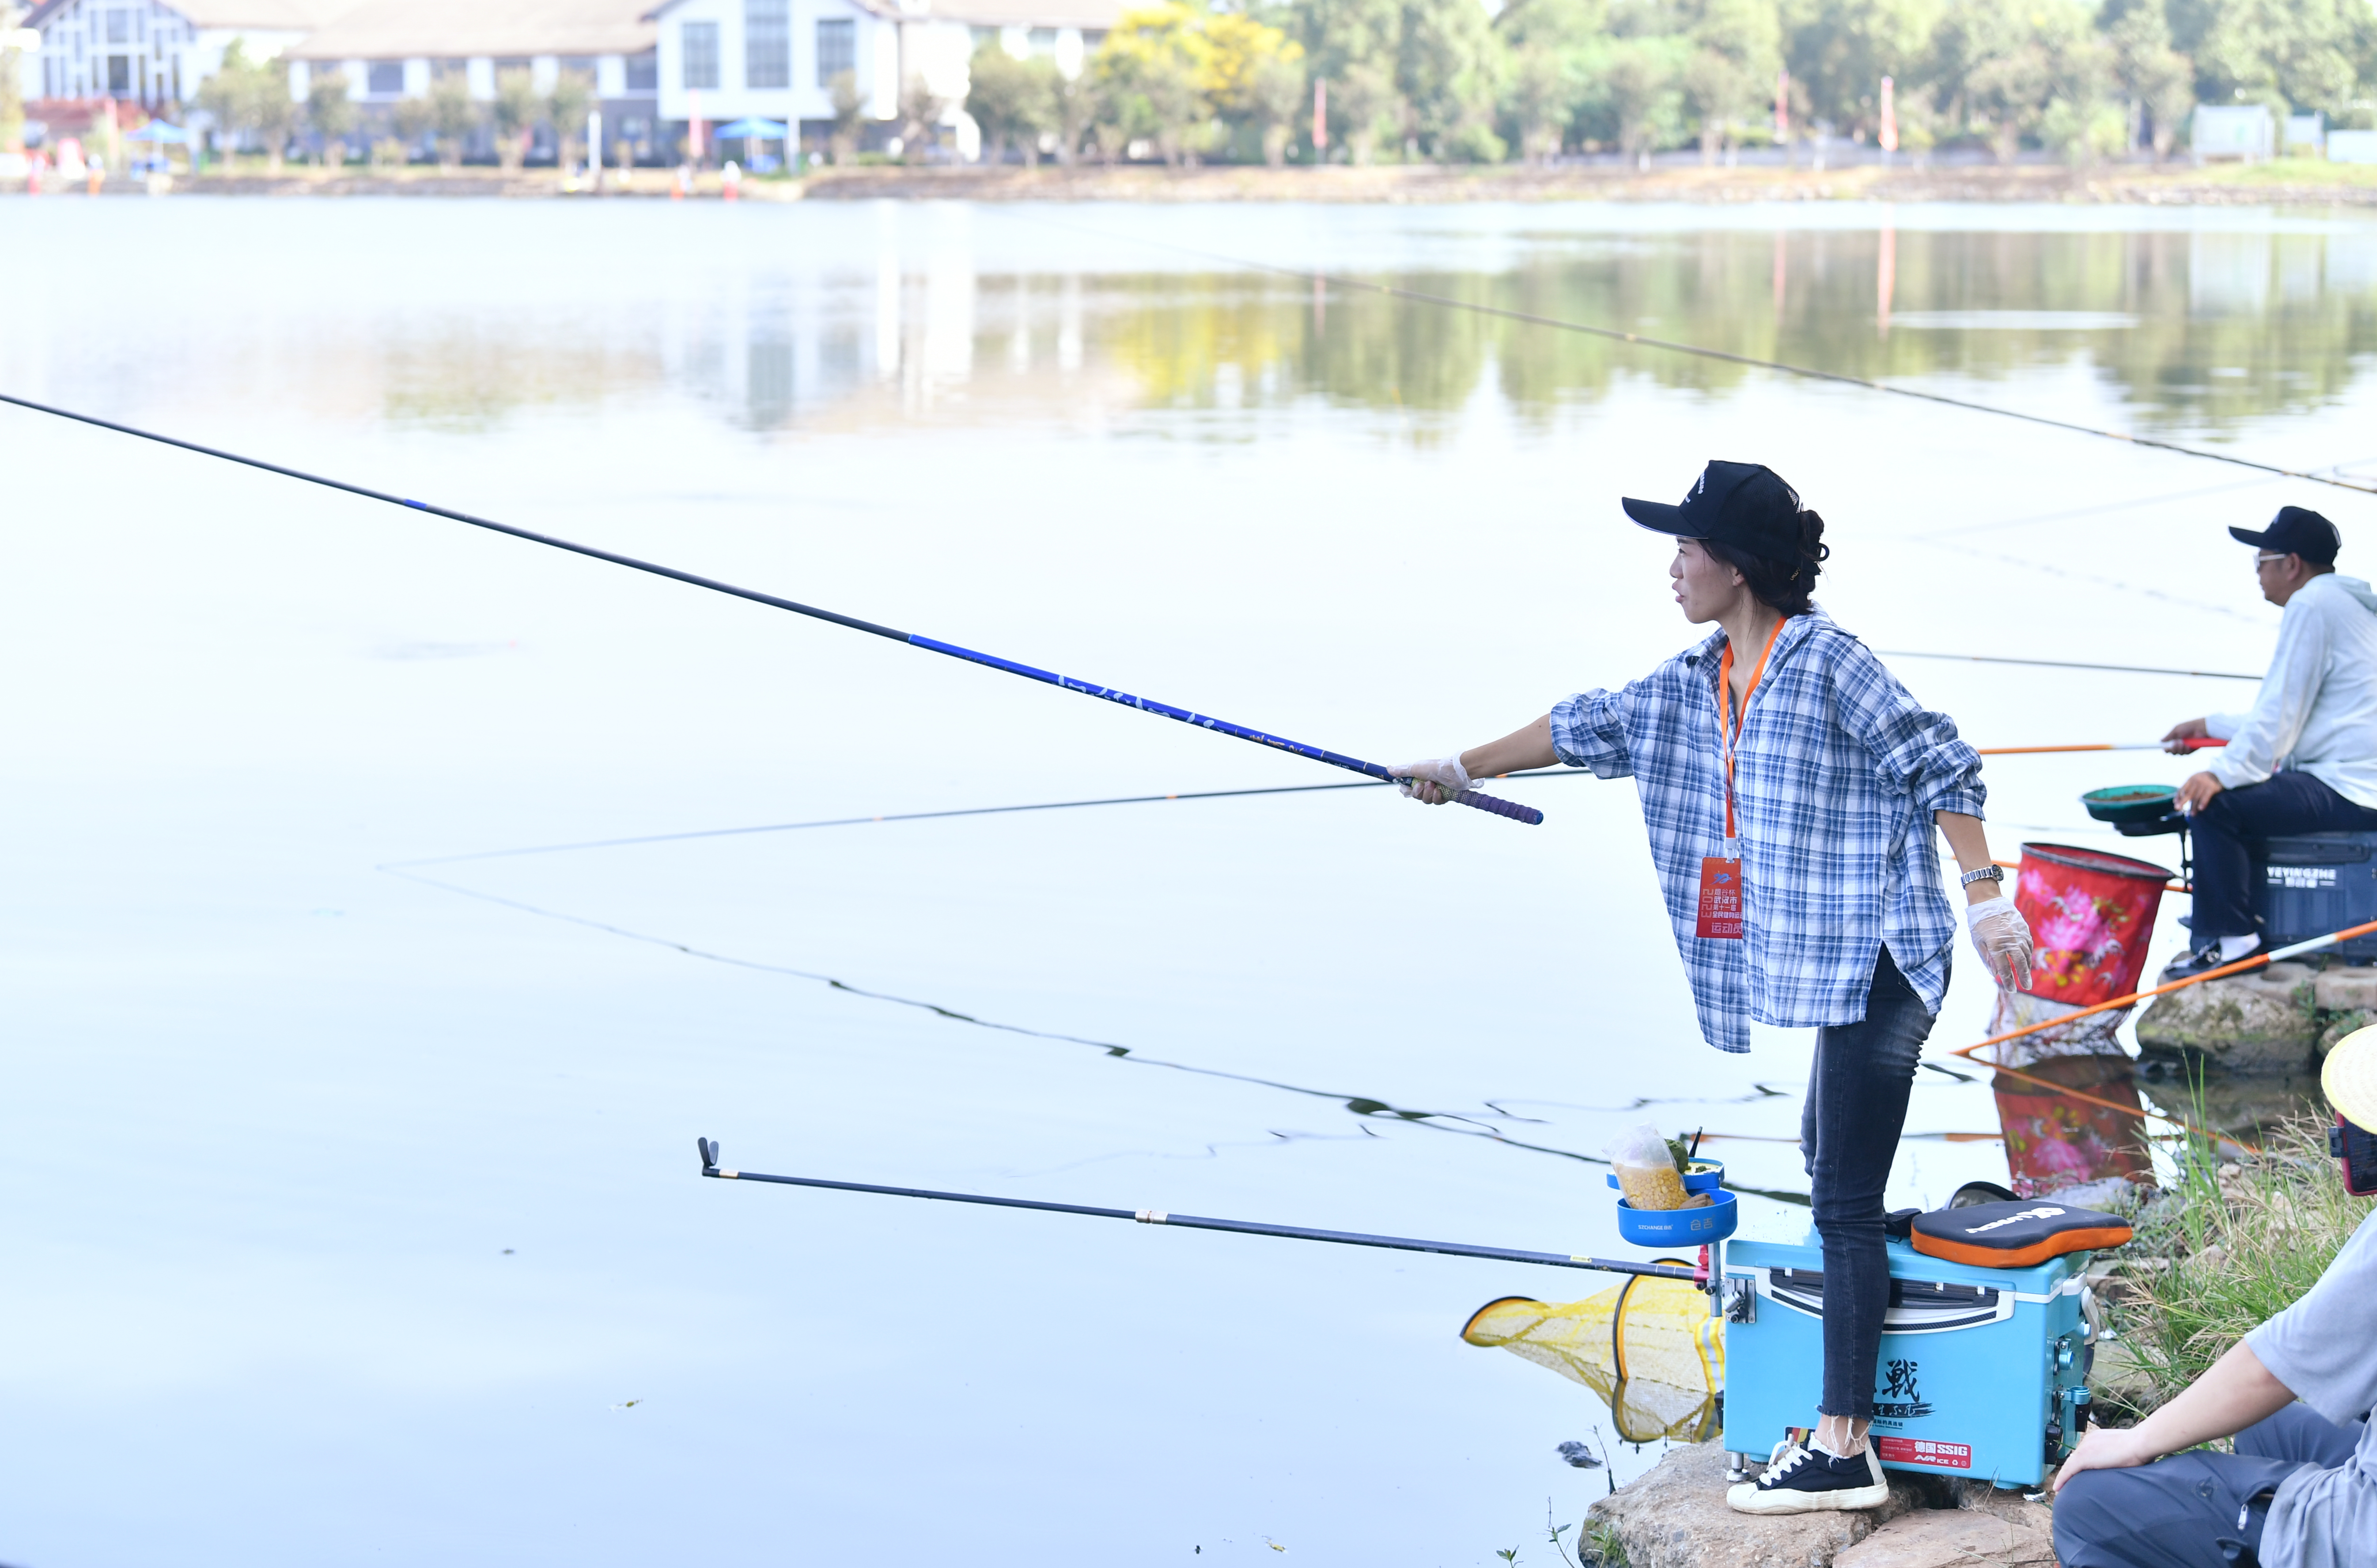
[158, 134]
[750, 129]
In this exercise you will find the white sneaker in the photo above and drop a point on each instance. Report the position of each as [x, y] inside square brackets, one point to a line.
[1808, 1480]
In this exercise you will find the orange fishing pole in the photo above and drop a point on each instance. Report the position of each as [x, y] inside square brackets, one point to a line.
[2255, 961]
[2196, 744]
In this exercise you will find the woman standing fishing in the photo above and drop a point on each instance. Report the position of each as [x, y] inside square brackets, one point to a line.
[1790, 785]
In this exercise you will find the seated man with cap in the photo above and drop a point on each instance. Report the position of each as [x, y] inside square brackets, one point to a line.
[2300, 1490]
[2305, 760]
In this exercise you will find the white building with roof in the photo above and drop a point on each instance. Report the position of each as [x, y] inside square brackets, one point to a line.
[153, 53]
[721, 60]
[392, 50]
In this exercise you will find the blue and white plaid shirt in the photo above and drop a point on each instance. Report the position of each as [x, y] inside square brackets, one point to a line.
[1836, 775]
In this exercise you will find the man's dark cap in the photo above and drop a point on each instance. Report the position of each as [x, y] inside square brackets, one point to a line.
[2296, 531]
[1743, 504]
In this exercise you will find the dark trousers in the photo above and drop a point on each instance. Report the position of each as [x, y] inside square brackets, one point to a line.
[2183, 1512]
[2235, 821]
[1848, 1134]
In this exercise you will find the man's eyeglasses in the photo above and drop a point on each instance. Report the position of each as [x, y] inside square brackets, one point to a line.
[2261, 561]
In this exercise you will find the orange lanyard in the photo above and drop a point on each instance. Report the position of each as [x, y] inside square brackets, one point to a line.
[1729, 726]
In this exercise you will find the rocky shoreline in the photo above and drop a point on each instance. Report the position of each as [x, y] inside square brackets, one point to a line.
[1676, 1517]
[2289, 186]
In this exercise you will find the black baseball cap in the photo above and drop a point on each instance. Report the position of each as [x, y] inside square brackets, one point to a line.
[1743, 504]
[2294, 531]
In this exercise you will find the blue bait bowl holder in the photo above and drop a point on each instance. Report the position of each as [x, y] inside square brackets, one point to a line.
[1679, 1227]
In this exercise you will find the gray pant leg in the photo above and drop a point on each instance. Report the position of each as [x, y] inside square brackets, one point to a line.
[2176, 1513]
[2300, 1435]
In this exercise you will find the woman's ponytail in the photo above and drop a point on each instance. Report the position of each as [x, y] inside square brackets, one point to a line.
[1787, 586]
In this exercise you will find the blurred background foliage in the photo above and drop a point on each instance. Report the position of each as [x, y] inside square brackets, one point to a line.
[2191, 330]
[1451, 80]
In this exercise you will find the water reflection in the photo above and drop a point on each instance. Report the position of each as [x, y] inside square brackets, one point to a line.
[1488, 1124]
[2191, 331]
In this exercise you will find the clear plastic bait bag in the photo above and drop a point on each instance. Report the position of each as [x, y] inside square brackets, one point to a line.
[1646, 1168]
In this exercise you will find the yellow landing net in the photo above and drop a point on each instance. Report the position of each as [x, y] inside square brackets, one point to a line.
[1648, 1347]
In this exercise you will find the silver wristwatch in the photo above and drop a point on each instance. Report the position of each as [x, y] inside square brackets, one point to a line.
[1987, 873]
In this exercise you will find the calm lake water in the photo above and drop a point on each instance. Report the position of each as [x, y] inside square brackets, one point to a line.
[353, 1212]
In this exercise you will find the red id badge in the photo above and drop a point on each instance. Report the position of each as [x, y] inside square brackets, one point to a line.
[1720, 897]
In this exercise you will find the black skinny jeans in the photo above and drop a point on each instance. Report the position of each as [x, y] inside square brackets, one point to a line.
[1855, 1108]
[2227, 829]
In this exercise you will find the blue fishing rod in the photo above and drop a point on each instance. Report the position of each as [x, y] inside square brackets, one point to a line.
[1515, 812]
[709, 1167]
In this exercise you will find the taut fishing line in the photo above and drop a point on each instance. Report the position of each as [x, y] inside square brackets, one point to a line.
[1361, 1106]
[1237, 795]
[1378, 775]
[1809, 373]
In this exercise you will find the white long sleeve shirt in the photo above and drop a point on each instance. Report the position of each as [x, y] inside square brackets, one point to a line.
[2317, 710]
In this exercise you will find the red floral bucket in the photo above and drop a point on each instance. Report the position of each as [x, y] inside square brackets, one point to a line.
[2091, 915]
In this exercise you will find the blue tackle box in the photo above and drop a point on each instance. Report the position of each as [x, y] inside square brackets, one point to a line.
[1983, 1372]
[2312, 884]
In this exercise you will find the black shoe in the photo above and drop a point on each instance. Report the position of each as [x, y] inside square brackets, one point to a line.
[2201, 959]
[1808, 1480]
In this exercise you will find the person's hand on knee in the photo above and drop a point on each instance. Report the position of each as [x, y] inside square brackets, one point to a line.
[2197, 792]
[2104, 1448]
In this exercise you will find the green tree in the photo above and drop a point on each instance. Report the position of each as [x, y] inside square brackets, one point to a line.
[1450, 65]
[1737, 48]
[1358, 102]
[1152, 70]
[333, 114]
[2080, 121]
[1275, 95]
[1336, 34]
[920, 115]
[2158, 80]
[1719, 92]
[1013, 100]
[1556, 50]
[1351, 46]
[518, 106]
[1075, 99]
[453, 115]
[571, 100]
[849, 102]
[1540, 99]
[249, 100]
[12, 94]
[414, 120]
[1840, 49]
[1254, 78]
[1995, 70]
[1642, 80]
[2303, 54]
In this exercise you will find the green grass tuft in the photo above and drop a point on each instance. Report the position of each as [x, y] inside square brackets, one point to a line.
[1601, 1547]
[2233, 1244]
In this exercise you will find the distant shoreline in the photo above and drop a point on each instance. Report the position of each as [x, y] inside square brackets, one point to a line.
[2284, 185]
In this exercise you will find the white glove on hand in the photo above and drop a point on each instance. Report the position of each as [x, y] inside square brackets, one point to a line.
[1432, 782]
[2002, 939]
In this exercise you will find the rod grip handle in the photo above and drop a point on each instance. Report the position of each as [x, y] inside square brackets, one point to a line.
[1499, 807]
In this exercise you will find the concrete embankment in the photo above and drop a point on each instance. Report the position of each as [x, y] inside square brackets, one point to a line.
[2284, 184]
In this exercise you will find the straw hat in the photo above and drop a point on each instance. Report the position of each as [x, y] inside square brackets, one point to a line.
[2349, 1077]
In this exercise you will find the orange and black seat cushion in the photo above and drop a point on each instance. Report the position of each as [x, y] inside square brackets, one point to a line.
[2015, 1235]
